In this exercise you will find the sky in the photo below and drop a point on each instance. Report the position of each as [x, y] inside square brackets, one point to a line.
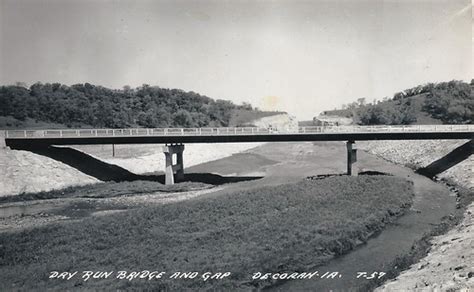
[302, 57]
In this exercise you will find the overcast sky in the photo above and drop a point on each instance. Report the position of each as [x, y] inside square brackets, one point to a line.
[300, 56]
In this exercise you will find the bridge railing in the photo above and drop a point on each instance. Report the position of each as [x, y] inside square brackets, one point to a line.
[386, 128]
[85, 133]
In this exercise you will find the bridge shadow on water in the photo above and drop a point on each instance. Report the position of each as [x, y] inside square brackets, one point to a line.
[103, 171]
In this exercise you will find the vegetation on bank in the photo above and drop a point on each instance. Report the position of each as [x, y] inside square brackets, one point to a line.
[108, 190]
[88, 105]
[293, 227]
[423, 246]
[448, 102]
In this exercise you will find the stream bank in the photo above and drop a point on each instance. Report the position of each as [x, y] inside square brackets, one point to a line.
[281, 163]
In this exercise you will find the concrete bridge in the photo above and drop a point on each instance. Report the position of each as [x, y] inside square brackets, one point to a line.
[174, 138]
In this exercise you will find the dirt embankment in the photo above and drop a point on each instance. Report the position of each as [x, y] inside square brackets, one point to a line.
[448, 265]
[25, 172]
[417, 154]
[282, 122]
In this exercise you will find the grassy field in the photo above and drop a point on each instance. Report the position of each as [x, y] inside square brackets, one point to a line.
[288, 228]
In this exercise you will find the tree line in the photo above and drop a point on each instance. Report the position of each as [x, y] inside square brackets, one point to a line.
[97, 106]
[451, 102]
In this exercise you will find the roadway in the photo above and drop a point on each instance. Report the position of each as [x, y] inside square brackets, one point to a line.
[37, 138]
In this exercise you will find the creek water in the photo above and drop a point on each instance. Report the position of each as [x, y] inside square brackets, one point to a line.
[432, 202]
[289, 162]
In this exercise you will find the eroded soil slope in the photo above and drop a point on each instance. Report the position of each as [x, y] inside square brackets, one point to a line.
[26, 172]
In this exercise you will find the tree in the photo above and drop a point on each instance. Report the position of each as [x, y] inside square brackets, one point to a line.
[451, 102]
[398, 96]
[21, 84]
[96, 106]
[182, 118]
[361, 101]
[164, 119]
[246, 106]
[147, 119]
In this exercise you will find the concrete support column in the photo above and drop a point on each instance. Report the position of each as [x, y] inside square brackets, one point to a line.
[179, 161]
[169, 176]
[2, 139]
[351, 158]
[170, 168]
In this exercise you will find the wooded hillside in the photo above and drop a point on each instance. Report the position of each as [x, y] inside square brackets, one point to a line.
[445, 102]
[96, 106]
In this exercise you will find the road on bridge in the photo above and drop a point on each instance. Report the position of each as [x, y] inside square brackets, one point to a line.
[31, 138]
[175, 138]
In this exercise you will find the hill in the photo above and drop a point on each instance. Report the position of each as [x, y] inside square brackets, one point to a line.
[246, 117]
[433, 103]
[85, 105]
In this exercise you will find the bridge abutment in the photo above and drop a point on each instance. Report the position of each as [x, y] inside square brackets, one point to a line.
[173, 172]
[352, 168]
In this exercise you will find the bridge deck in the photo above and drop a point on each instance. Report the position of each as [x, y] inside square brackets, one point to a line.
[15, 138]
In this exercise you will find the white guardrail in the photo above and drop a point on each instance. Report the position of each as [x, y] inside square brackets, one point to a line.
[88, 133]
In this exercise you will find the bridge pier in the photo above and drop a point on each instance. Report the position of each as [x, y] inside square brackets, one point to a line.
[170, 168]
[351, 158]
[3, 143]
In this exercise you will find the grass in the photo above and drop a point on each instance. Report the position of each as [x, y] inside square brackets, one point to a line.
[292, 227]
[107, 190]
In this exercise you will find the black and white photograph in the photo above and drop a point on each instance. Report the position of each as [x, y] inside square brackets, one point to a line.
[236, 145]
